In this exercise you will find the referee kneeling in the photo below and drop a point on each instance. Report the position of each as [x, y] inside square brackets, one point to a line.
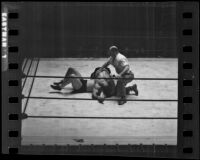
[121, 65]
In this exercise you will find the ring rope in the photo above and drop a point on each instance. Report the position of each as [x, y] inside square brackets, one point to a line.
[27, 74]
[144, 100]
[24, 66]
[80, 117]
[110, 99]
[31, 86]
[104, 78]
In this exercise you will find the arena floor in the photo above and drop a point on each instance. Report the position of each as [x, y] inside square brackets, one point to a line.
[64, 131]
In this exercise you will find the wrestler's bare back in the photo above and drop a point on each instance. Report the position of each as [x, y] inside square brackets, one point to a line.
[91, 82]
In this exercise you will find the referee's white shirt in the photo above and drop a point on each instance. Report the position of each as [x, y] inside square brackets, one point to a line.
[119, 62]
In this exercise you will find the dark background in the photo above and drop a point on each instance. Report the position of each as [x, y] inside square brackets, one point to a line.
[144, 29]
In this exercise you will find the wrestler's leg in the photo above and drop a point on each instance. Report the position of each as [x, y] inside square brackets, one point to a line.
[76, 83]
[121, 92]
[120, 88]
[70, 73]
[133, 87]
[67, 74]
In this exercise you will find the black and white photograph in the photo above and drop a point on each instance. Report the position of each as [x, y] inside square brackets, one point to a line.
[98, 73]
[134, 43]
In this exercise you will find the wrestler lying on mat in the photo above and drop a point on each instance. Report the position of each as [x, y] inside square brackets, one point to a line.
[100, 88]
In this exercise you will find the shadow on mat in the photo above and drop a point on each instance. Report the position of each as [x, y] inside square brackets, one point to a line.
[64, 93]
[74, 92]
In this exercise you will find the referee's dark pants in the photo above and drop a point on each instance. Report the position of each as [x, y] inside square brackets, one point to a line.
[121, 84]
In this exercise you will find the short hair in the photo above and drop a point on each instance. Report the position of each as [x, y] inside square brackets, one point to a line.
[113, 48]
[93, 74]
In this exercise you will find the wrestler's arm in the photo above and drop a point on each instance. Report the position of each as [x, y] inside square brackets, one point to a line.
[97, 93]
[126, 68]
[106, 64]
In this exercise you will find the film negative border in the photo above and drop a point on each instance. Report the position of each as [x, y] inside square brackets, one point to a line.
[188, 92]
[188, 110]
[11, 83]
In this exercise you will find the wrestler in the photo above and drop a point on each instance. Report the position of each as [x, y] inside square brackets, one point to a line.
[80, 85]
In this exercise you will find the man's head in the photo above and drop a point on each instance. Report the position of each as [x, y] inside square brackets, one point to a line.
[113, 50]
[93, 74]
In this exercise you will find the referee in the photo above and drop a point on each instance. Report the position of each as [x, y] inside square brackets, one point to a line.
[122, 67]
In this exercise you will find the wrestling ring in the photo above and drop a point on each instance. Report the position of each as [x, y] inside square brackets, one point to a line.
[30, 69]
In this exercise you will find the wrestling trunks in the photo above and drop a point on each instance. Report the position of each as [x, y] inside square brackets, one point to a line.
[83, 87]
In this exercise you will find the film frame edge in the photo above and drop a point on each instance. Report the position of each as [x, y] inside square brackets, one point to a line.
[177, 152]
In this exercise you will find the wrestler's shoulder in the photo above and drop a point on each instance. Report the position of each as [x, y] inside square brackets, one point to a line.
[120, 56]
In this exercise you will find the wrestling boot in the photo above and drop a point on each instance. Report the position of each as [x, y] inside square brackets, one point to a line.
[129, 89]
[57, 87]
[122, 101]
[132, 88]
[135, 89]
[58, 83]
